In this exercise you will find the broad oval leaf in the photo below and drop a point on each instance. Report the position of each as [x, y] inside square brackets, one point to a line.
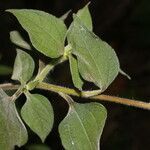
[12, 130]
[81, 129]
[18, 40]
[46, 32]
[85, 16]
[38, 114]
[97, 61]
[77, 81]
[23, 67]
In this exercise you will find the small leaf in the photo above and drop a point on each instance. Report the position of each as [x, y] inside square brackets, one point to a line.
[97, 61]
[12, 130]
[5, 70]
[77, 81]
[17, 39]
[85, 16]
[23, 67]
[46, 32]
[81, 129]
[38, 114]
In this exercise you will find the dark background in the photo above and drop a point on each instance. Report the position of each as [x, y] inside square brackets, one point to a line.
[125, 25]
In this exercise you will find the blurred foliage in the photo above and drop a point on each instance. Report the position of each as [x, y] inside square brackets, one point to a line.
[4, 70]
[38, 147]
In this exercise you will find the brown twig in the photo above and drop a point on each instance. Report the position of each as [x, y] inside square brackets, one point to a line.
[101, 97]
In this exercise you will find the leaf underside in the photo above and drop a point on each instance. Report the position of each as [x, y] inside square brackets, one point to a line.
[85, 16]
[97, 61]
[38, 114]
[23, 67]
[77, 81]
[81, 129]
[12, 129]
[46, 32]
[18, 40]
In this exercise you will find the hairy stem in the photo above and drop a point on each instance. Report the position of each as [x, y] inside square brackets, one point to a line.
[124, 101]
[73, 92]
[40, 77]
[43, 73]
[58, 89]
[17, 93]
[101, 97]
[9, 86]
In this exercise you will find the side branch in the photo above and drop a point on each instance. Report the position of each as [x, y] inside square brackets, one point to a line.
[9, 86]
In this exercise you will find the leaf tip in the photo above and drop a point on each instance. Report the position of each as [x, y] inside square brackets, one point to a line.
[87, 5]
[124, 74]
[43, 138]
[9, 10]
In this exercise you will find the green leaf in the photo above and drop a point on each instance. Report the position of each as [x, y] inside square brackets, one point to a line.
[12, 130]
[46, 32]
[18, 40]
[97, 61]
[85, 16]
[5, 70]
[77, 81]
[81, 129]
[38, 114]
[23, 67]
